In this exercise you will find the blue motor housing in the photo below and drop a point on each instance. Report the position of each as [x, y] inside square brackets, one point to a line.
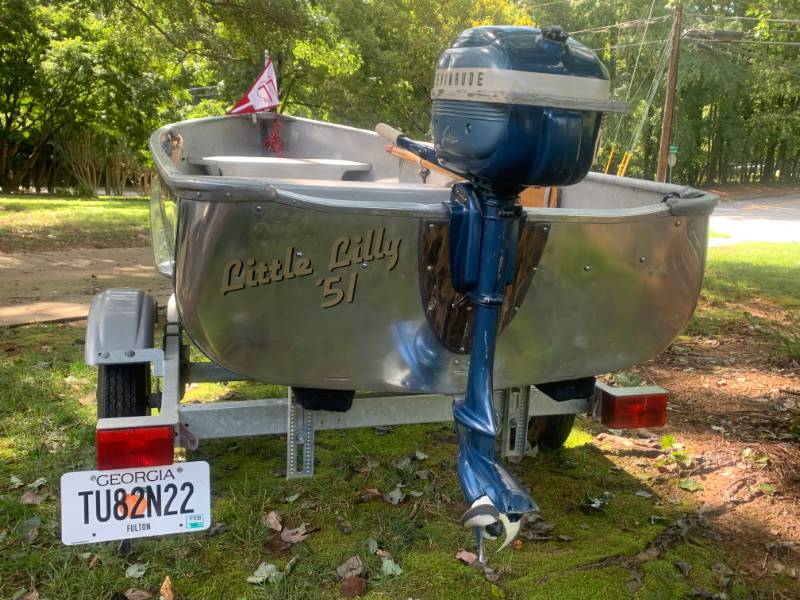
[519, 106]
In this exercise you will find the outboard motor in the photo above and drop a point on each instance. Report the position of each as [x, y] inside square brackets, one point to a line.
[512, 107]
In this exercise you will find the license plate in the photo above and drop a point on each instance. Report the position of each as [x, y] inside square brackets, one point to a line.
[99, 506]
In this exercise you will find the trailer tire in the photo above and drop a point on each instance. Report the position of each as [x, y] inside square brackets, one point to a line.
[550, 432]
[122, 390]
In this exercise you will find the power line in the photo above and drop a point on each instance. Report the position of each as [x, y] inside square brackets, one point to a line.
[751, 42]
[639, 54]
[633, 74]
[627, 45]
[714, 17]
[558, 2]
[623, 24]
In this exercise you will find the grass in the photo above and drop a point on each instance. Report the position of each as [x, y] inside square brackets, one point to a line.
[39, 223]
[719, 235]
[46, 431]
[756, 285]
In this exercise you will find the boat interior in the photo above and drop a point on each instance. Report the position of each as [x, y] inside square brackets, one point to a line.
[330, 161]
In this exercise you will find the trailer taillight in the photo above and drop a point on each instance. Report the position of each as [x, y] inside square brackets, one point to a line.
[134, 447]
[632, 408]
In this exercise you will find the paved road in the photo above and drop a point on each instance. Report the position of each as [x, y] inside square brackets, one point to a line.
[762, 220]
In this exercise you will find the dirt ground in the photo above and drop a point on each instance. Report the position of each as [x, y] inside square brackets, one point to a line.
[736, 409]
[52, 286]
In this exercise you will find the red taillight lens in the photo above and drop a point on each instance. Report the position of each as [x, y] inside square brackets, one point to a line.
[134, 447]
[629, 408]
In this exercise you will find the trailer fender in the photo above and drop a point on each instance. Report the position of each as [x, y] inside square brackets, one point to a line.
[119, 319]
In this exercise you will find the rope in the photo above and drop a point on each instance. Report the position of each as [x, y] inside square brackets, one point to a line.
[651, 95]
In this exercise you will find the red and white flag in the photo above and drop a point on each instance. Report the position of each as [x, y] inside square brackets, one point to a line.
[262, 95]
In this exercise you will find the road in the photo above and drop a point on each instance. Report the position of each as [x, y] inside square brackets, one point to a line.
[775, 219]
[57, 286]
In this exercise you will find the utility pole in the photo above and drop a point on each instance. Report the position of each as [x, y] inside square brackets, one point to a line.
[669, 100]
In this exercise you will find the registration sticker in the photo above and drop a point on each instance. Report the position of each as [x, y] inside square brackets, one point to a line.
[99, 506]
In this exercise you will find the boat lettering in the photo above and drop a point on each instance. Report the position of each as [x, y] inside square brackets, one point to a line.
[346, 251]
[239, 274]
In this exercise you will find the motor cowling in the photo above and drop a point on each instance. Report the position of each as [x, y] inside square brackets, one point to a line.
[519, 106]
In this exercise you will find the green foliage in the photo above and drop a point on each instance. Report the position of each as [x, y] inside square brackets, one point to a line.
[100, 76]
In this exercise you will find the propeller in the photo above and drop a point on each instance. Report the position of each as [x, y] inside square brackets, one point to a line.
[483, 516]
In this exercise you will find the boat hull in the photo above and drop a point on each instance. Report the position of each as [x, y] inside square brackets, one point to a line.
[604, 296]
[346, 284]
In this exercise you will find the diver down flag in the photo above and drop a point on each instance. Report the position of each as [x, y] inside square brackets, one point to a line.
[262, 95]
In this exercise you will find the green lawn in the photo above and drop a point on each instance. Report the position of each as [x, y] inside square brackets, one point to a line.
[38, 223]
[46, 430]
[47, 427]
[757, 277]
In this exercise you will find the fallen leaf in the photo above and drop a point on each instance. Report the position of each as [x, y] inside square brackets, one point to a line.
[353, 587]
[343, 527]
[643, 494]
[419, 455]
[15, 482]
[265, 572]
[667, 442]
[351, 567]
[32, 595]
[94, 562]
[690, 485]
[565, 538]
[518, 544]
[87, 399]
[372, 545]
[369, 494]
[383, 553]
[294, 536]
[466, 557]
[424, 474]
[404, 463]
[723, 573]
[217, 528]
[415, 493]
[292, 498]
[370, 466]
[133, 594]
[593, 503]
[683, 567]
[31, 497]
[290, 566]
[272, 520]
[395, 497]
[165, 591]
[309, 505]
[31, 535]
[767, 488]
[136, 570]
[491, 574]
[389, 567]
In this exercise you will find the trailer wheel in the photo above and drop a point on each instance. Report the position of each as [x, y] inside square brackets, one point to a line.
[550, 432]
[122, 390]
